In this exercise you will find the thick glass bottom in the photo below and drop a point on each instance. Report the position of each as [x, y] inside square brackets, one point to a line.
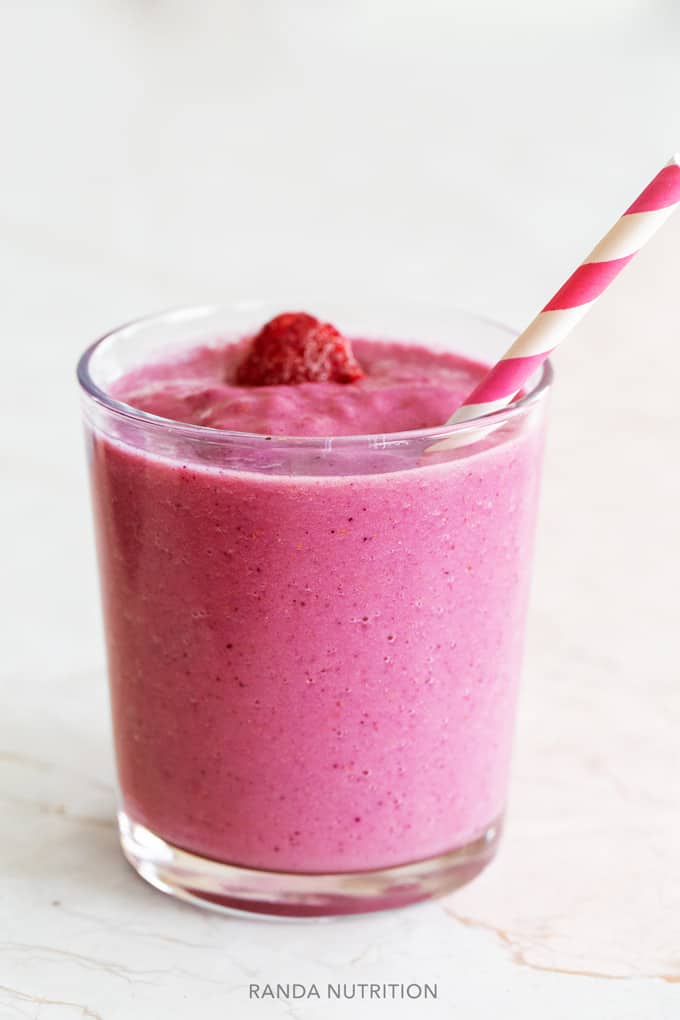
[230, 888]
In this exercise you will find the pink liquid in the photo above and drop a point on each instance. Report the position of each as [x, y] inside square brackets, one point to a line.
[315, 673]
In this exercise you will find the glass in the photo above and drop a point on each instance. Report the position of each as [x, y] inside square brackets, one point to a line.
[314, 644]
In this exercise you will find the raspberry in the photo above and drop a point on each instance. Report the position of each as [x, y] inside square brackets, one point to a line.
[295, 347]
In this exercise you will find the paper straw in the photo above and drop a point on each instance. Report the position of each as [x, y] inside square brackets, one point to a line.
[571, 302]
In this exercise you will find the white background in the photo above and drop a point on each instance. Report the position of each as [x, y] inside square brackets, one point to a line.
[157, 152]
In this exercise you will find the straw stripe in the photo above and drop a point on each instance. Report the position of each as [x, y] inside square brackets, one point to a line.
[571, 302]
[506, 380]
[586, 283]
[467, 411]
[548, 328]
[663, 191]
[629, 234]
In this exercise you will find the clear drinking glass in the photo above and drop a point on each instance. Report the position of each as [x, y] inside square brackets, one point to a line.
[314, 644]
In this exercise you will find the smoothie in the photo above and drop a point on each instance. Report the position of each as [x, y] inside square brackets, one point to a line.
[313, 669]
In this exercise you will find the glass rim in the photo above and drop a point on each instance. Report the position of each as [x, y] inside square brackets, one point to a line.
[208, 433]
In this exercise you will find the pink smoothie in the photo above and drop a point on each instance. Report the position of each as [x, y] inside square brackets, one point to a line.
[314, 671]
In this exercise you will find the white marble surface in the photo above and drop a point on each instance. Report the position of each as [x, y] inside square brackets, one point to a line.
[157, 153]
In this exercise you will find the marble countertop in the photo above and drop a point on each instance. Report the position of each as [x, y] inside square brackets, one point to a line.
[163, 153]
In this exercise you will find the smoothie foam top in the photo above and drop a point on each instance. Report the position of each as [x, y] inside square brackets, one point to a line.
[403, 386]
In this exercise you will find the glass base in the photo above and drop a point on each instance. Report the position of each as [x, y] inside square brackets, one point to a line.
[233, 889]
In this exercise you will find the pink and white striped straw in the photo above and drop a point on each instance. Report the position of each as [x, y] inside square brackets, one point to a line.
[571, 302]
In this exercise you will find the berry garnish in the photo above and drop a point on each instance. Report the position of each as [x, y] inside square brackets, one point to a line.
[295, 347]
